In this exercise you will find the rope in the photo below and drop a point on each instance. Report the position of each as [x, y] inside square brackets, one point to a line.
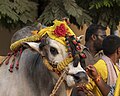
[3, 60]
[59, 82]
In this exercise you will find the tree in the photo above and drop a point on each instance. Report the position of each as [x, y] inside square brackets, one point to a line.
[104, 12]
[57, 9]
[15, 12]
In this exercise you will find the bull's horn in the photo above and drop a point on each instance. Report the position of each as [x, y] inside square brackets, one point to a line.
[32, 45]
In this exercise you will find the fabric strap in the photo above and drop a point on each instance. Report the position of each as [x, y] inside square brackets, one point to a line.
[112, 74]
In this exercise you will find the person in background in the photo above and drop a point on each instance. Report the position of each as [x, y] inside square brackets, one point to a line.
[105, 89]
[117, 33]
[106, 66]
[93, 43]
[93, 46]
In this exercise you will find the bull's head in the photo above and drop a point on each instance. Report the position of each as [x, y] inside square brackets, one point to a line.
[62, 53]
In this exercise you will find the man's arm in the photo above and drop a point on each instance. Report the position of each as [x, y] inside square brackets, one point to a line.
[103, 87]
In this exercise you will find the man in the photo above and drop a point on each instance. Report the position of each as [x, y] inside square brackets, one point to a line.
[105, 89]
[106, 66]
[93, 43]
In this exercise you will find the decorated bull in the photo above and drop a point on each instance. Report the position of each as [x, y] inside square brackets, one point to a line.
[54, 70]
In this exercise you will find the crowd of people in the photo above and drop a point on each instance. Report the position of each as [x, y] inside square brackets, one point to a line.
[102, 61]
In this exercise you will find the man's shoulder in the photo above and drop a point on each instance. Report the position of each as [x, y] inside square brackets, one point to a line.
[100, 53]
[101, 67]
[100, 64]
[86, 50]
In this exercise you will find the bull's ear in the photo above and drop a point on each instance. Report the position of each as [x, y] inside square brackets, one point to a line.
[80, 37]
[33, 45]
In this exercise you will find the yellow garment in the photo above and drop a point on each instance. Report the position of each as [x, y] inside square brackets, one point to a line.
[117, 88]
[102, 69]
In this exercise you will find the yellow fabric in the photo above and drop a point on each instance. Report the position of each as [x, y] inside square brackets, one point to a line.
[102, 69]
[116, 69]
[117, 88]
[42, 32]
[50, 31]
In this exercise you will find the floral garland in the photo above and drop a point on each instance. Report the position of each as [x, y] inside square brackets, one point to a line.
[18, 44]
[57, 32]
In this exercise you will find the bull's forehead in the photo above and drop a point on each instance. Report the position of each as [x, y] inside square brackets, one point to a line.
[60, 47]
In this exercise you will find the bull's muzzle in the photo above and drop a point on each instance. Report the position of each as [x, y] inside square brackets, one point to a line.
[80, 77]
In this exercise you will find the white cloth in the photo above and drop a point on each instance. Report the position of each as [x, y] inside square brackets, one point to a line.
[112, 74]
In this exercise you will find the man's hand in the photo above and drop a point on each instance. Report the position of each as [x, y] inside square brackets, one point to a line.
[92, 72]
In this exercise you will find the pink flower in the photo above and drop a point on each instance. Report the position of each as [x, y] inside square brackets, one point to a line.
[60, 30]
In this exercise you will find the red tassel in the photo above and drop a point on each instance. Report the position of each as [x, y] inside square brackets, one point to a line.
[83, 55]
[69, 54]
[79, 44]
[13, 61]
[77, 47]
[17, 64]
[11, 67]
[8, 58]
[11, 70]
[74, 41]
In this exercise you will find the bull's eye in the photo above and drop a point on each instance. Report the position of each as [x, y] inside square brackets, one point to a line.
[53, 51]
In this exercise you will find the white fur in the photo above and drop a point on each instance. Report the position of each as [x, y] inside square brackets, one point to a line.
[61, 50]
[60, 57]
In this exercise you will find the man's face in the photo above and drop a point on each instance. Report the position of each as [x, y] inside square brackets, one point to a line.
[100, 35]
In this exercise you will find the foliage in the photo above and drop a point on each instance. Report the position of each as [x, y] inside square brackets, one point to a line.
[13, 12]
[58, 9]
[105, 12]
[54, 10]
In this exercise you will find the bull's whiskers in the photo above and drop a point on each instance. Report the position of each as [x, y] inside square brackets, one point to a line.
[59, 82]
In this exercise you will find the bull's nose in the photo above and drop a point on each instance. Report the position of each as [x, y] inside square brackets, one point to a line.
[80, 77]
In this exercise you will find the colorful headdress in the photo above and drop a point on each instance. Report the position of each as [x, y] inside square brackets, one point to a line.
[56, 32]
[60, 32]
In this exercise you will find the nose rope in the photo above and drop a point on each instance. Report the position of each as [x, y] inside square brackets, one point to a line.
[62, 66]
[59, 82]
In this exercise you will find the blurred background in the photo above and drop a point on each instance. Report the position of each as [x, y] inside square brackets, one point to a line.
[16, 14]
